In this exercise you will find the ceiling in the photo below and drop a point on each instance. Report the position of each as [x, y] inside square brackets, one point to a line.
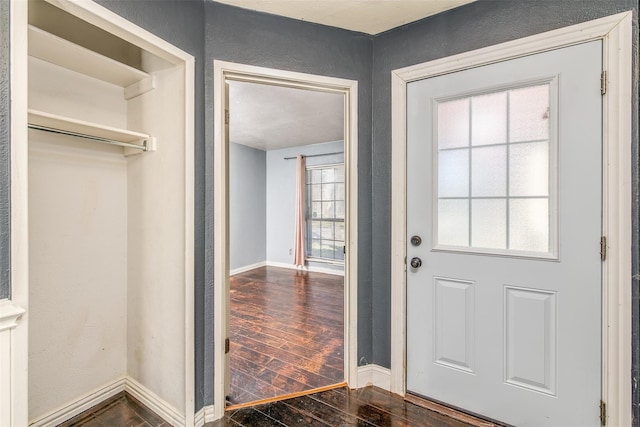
[272, 117]
[366, 16]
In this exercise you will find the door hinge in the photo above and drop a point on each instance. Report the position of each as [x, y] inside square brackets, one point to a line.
[603, 413]
[603, 248]
[226, 116]
[603, 83]
[226, 346]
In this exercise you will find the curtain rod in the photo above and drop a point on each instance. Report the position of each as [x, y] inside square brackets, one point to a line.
[142, 147]
[315, 155]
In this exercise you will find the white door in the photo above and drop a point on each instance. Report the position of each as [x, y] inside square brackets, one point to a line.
[504, 190]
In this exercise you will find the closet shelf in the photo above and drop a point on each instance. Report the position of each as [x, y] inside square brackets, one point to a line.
[58, 51]
[65, 125]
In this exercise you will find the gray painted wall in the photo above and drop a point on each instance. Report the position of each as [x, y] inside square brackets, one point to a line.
[476, 25]
[247, 205]
[5, 120]
[281, 196]
[254, 38]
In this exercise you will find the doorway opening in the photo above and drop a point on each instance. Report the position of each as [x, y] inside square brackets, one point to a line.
[283, 326]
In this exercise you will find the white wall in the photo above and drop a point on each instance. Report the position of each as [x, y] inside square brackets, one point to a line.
[156, 243]
[78, 251]
[77, 244]
[281, 196]
[247, 206]
[57, 90]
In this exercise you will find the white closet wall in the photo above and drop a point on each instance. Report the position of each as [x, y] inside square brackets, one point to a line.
[71, 94]
[77, 242]
[78, 247]
[156, 246]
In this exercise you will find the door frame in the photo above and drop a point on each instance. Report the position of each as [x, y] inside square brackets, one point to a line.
[615, 31]
[225, 71]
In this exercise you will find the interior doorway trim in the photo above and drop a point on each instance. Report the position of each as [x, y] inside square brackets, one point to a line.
[616, 34]
[226, 71]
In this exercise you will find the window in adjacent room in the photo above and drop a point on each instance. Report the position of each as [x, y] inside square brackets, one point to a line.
[325, 213]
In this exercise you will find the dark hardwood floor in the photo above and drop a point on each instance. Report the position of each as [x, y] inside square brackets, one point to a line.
[286, 331]
[122, 410]
[366, 407]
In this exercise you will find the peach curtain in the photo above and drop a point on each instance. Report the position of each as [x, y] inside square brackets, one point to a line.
[298, 245]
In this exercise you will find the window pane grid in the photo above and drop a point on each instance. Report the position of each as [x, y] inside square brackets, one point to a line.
[499, 169]
[325, 212]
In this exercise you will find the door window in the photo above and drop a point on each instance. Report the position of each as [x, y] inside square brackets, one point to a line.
[495, 183]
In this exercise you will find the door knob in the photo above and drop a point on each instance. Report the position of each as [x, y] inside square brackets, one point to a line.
[416, 262]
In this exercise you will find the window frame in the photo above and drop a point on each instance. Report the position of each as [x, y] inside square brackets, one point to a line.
[309, 219]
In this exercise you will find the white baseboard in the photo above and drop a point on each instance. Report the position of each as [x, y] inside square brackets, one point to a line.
[247, 268]
[313, 269]
[374, 375]
[87, 401]
[154, 402]
[128, 384]
[204, 415]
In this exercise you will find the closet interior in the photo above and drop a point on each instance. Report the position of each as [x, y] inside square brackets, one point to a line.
[109, 233]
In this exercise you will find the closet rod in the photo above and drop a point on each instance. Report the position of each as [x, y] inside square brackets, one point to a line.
[315, 155]
[142, 147]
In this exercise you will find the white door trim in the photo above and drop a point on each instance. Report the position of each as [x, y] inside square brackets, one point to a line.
[616, 34]
[223, 72]
[113, 23]
[18, 51]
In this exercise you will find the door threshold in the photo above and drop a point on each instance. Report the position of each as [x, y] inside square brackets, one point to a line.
[285, 396]
[452, 412]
